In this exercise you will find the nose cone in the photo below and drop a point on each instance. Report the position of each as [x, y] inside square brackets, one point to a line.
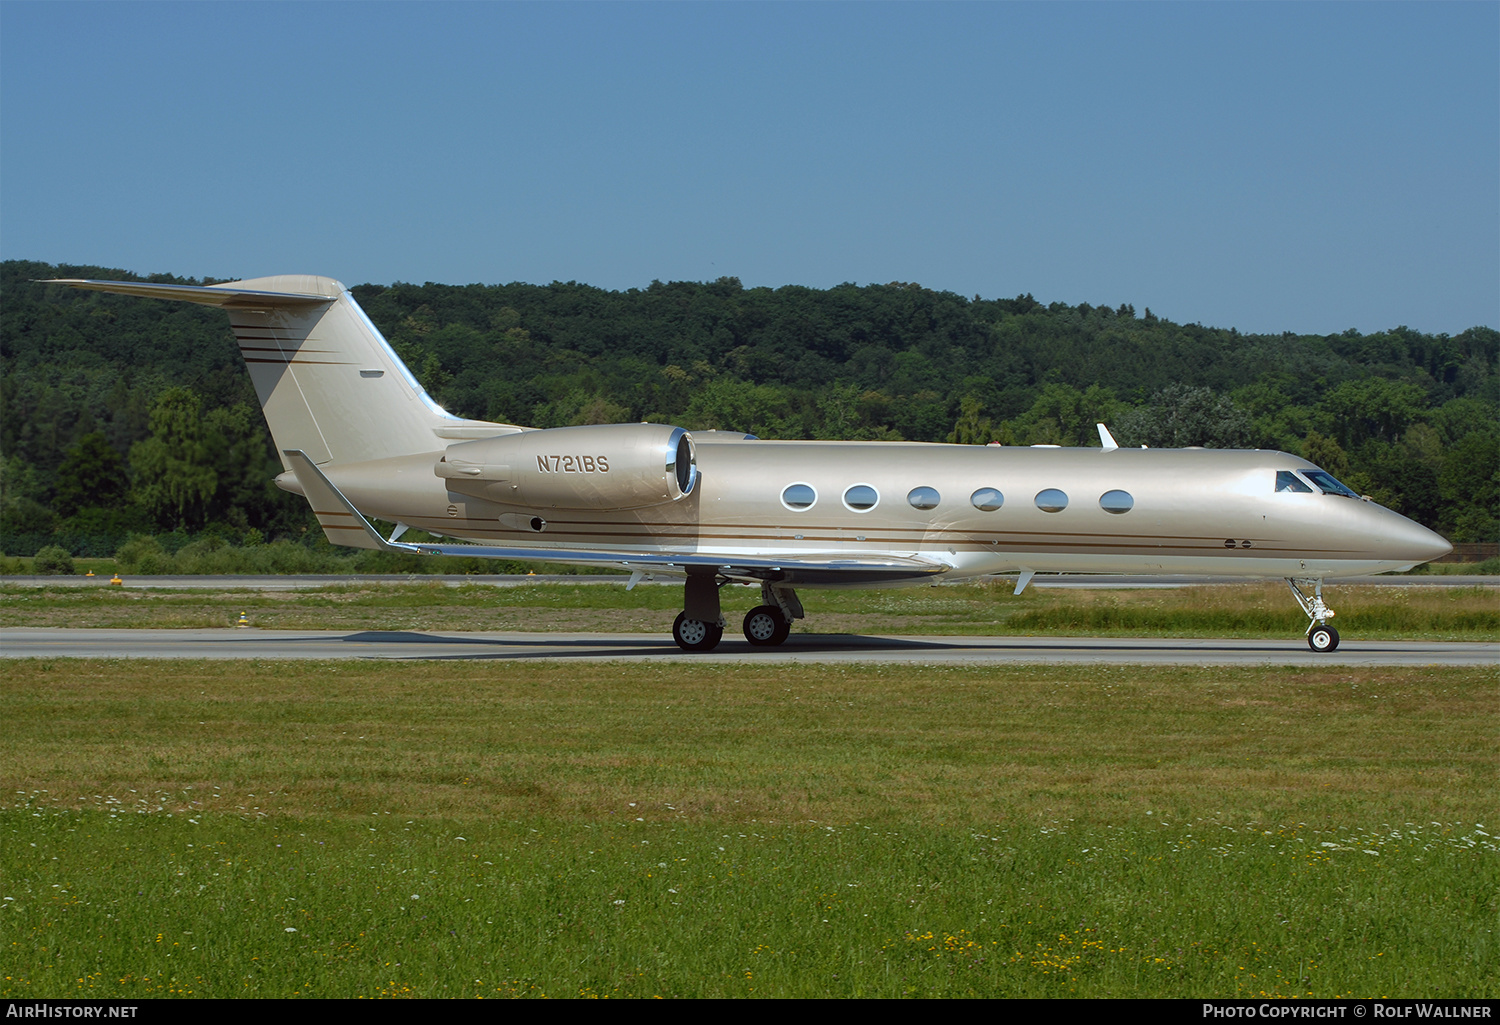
[1406, 541]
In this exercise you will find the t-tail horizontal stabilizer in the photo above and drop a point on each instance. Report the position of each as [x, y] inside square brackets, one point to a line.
[224, 296]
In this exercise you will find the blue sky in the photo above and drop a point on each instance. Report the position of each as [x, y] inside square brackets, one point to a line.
[1305, 167]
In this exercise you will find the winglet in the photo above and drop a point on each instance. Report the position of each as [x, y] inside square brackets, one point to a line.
[1106, 439]
[342, 523]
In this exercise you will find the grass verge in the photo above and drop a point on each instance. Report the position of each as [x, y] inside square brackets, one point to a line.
[1248, 610]
[337, 829]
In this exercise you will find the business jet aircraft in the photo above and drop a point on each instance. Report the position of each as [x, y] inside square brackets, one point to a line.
[359, 438]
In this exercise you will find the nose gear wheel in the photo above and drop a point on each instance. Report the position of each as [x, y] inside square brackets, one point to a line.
[1322, 638]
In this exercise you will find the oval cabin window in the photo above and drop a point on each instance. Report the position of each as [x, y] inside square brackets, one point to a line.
[798, 497]
[1116, 502]
[987, 499]
[861, 498]
[923, 498]
[1051, 500]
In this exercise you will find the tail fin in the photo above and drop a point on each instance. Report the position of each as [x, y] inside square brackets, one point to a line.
[329, 383]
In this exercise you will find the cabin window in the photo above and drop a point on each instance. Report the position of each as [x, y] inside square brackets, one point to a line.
[987, 499]
[1286, 480]
[1051, 500]
[1116, 502]
[924, 498]
[797, 497]
[1329, 484]
[861, 498]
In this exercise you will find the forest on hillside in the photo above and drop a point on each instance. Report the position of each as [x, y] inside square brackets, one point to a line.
[123, 416]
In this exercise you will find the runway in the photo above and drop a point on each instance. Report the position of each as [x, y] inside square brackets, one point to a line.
[38, 642]
[312, 581]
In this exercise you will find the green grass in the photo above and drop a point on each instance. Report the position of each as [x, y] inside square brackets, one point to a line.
[1247, 610]
[210, 555]
[1488, 566]
[462, 829]
[133, 905]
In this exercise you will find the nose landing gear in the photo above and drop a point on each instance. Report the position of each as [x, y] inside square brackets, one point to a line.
[1320, 636]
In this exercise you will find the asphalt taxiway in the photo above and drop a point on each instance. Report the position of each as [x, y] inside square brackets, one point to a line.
[49, 642]
[312, 581]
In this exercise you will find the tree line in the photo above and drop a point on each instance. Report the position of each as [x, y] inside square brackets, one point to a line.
[122, 416]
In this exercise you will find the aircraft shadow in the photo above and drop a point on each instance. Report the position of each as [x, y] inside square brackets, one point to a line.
[545, 646]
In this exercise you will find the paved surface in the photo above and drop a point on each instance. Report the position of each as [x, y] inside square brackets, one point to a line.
[811, 648]
[1103, 581]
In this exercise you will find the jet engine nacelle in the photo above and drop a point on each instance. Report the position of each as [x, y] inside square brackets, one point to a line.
[609, 466]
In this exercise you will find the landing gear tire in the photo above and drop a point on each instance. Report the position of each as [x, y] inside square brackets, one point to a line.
[765, 626]
[696, 635]
[1323, 638]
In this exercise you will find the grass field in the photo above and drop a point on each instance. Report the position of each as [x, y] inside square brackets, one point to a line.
[463, 829]
[1243, 610]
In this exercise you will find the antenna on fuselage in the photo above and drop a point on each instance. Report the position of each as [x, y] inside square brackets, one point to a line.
[1107, 439]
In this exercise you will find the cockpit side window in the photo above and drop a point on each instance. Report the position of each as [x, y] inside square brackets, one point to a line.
[1329, 484]
[1286, 480]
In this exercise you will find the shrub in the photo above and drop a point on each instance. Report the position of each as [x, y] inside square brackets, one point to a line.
[53, 561]
[143, 554]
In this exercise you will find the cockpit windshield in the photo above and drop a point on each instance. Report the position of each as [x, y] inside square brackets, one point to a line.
[1286, 480]
[1329, 484]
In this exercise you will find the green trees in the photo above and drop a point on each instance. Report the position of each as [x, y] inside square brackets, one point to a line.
[174, 470]
[1180, 416]
[1372, 409]
[92, 474]
[1063, 415]
[1469, 485]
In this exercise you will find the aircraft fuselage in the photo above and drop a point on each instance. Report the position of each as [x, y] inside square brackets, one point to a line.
[1192, 511]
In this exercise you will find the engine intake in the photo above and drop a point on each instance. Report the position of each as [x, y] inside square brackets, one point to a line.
[609, 466]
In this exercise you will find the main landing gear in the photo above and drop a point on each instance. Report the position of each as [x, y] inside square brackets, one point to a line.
[700, 625]
[697, 635]
[766, 626]
[1320, 636]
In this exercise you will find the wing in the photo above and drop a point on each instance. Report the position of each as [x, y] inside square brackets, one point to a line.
[346, 525]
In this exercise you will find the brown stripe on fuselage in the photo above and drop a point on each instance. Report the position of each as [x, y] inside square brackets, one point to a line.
[1261, 548]
[926, 532]
[932, 537]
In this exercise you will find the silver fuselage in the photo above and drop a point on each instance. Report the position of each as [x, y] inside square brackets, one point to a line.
[1195, 511]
